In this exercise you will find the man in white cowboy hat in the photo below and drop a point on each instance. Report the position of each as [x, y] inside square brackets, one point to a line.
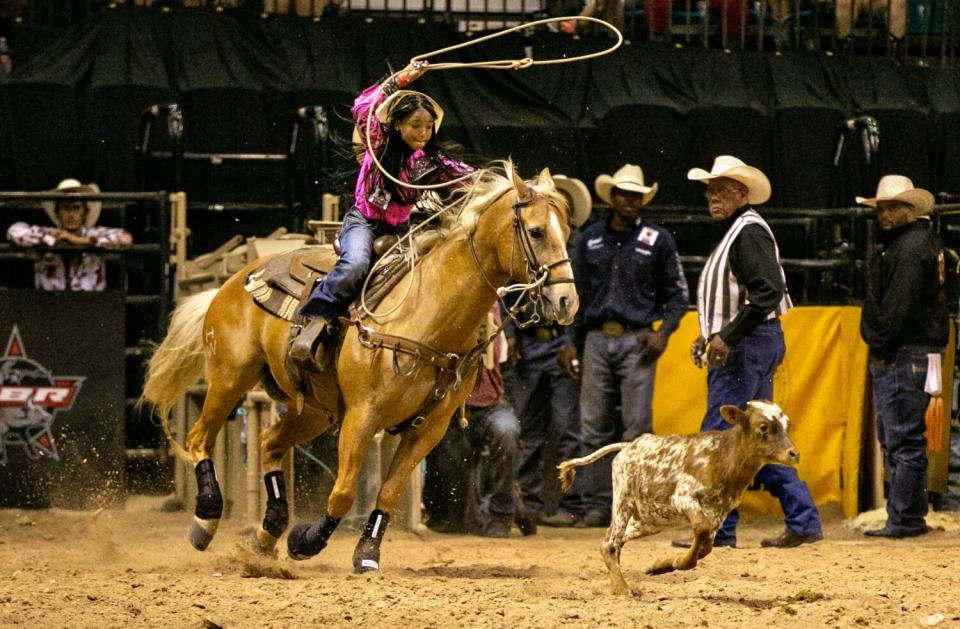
[740, 297]
[74, 224]
[545, 397]
[628, 276]
[905, 324]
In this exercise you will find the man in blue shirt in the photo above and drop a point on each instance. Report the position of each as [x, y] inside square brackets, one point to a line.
[628, 275]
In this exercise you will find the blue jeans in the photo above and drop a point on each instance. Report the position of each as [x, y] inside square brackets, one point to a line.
[545, 399]
[497, 428]
[611, 375]
[748, 375]
[900, 403]
[460, 492]
[333, 294]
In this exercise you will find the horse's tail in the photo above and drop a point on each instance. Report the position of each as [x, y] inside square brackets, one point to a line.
[567, 468]
[177, 362]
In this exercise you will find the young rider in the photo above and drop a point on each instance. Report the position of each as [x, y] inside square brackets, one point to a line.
[403, 133]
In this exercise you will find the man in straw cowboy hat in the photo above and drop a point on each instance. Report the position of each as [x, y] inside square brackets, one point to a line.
[905, 324]
[741, 296]
[545, 396]
[628, 276]
[75, 223]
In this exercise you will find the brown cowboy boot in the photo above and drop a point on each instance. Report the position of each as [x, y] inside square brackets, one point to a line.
[306, 349]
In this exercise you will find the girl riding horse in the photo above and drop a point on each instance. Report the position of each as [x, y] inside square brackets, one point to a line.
[404, 137]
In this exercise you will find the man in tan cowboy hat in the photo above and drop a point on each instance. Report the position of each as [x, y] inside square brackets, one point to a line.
[740, 297]
[74, 224]
[545, 397]
[628, 276]
[905, 324]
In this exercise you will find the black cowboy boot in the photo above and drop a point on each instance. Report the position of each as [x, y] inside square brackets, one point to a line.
[306, 349]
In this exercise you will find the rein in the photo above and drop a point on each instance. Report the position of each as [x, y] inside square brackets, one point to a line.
[452, 367]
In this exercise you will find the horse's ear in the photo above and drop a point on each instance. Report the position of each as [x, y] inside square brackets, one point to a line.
[523, 190]
[545, 175]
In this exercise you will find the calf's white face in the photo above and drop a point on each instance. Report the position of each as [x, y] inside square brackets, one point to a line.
[766, 425]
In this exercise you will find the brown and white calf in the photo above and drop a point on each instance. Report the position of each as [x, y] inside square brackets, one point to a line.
[660, 481]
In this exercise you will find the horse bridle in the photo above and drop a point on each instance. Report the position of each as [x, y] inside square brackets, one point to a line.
[539, 272]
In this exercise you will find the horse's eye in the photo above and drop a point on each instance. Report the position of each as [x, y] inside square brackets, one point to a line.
[536, 232]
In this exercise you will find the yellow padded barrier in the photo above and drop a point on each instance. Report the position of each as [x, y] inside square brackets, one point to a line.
[820, 385]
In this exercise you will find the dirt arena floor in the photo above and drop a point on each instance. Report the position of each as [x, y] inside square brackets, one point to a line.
[133, 567]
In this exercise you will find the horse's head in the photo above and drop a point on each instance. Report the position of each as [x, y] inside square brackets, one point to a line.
[537, 253]
[517, 231]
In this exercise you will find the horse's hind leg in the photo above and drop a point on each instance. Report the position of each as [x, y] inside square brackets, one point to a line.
[227, 383]
[275, 441]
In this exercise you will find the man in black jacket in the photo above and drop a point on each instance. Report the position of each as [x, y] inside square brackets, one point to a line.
[905, 324]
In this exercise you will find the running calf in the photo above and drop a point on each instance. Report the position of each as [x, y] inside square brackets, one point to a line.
[660, 481]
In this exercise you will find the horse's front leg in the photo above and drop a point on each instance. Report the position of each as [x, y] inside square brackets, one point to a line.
[275, 441]
[415, 444]
[359, 427]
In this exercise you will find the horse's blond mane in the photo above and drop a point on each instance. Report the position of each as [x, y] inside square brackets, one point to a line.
[490, 184]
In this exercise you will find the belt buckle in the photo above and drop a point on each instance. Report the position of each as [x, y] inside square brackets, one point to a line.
[612, 329]
[543, 335]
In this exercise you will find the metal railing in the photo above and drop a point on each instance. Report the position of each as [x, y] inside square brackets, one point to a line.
[915, 31]
[148, 297]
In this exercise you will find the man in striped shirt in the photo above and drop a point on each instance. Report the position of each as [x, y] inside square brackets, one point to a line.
[740, 297]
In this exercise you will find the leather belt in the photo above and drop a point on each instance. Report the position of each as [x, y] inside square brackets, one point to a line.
[545, 334]
[615, 329]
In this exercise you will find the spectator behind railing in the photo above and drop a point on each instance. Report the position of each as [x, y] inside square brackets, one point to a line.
[847, 12]
[74, 224]
[656, 12]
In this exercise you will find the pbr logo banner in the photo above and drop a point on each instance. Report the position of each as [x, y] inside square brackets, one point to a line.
[61, 398]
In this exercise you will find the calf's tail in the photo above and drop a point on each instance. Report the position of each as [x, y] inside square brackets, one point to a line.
[567, 468]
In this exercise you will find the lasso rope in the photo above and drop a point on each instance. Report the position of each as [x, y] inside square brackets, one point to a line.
[420, 62]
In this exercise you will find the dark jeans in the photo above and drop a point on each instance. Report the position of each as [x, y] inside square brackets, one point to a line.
[333, 294]
[545, 400]
[461, 493]
[611, 374]
[900, 403]
[748, 375]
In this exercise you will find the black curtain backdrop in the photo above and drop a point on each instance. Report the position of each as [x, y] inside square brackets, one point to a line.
[73, 110]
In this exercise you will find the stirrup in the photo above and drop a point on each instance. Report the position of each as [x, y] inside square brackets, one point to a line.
[306, 346]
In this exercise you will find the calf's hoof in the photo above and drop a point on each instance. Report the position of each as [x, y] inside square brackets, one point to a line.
[201, 532]
[622, 590]
[661, 567]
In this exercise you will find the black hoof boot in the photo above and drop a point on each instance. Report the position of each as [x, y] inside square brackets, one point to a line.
[307, 540]
[366, 556]
[275, 519]
[209, 506]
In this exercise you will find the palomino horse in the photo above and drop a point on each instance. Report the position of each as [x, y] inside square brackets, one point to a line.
[507, 228]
